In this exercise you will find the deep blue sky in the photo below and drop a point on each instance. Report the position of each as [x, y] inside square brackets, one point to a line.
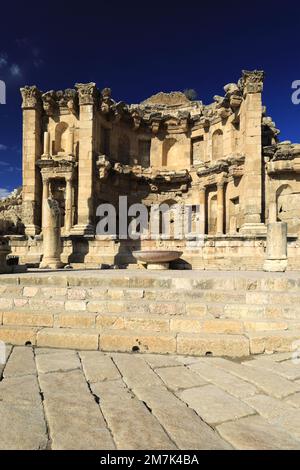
[138, 49]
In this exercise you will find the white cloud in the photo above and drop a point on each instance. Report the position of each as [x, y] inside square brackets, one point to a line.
[3, 62]
[4, 193]
[15, 70]
[3, 147]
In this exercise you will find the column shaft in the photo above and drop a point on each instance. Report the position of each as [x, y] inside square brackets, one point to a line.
[68, 206]
[220, 209]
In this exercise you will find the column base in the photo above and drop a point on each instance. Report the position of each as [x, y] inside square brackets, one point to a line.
[275, 265]
[82, 229]
[253, 229]
[157, 266]
[51, 263]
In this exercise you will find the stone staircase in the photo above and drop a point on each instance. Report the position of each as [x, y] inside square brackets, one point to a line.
[184, 312]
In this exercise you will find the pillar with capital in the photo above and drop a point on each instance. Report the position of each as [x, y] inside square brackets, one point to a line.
[32, 151]
[220, 208]
[251, 146]
[87, 94]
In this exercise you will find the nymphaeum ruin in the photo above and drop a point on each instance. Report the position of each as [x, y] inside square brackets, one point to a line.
[82, 148]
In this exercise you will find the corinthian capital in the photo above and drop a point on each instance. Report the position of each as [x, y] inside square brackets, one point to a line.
[31, 97]
[252, 81]
[87, 93]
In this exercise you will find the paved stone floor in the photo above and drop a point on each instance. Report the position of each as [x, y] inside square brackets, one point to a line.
[62, 399]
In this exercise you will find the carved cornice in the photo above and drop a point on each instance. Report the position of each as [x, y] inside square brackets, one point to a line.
[232, 165]
[31, 97]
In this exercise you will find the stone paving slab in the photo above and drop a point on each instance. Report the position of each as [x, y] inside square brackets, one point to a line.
[63, 399]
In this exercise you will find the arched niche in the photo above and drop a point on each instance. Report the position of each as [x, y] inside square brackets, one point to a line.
[217, 145]
[166, 148]
[124, 149]
[60, 143]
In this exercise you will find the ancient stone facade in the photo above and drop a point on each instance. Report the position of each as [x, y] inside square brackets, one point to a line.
[82, 148]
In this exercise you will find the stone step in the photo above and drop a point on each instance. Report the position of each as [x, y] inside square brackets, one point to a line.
[185, 280]
[131, 321]
[199, 344]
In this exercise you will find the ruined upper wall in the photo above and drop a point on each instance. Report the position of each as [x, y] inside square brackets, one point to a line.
[153, 113]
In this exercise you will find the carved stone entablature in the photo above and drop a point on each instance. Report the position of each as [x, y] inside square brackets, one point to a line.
[31, 97]
[137, 118]
[155, 124]
[68, 99]
[55, 101]
[106, 100]
[103, 165]
[49, 102]
[232, 165]
[269, 130]
[56, 168]
[282, 158]
[155, 176]
[87, 93]
[252, 81]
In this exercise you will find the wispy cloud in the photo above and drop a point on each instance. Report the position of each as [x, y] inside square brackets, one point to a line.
[15, 70]
[3, 147]
[4, 192]
[3, 61]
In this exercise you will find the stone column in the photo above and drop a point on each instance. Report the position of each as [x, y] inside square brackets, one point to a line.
[46, 190]
[251, 147]
[202, 210]
[70, 148]
[68, 205]
[276, 255]
[87, 100]
[46, 153]
[32, 151]
[51, 236]
[272, 212]
[220, 208]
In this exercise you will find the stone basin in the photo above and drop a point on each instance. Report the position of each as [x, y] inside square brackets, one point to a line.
[157, 259]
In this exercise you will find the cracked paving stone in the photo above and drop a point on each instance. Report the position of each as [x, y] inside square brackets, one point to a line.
[156, 361]
[131, 422]
[268, 407]
[182, 424]
[22, 427]
[74, 418]
[57, 362]
[215, 405]
[228, 382]
[22, 390]
[287, 369]
[180, 378]
[270, 382]
[98, 367]
[256, 433]
[20, 362]
[77, 426]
